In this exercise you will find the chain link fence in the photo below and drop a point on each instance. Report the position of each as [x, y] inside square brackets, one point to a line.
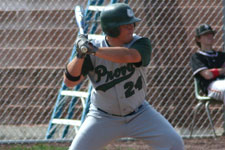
[36, 41]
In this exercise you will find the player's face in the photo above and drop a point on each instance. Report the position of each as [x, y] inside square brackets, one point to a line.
[126, 33]
[207, 39]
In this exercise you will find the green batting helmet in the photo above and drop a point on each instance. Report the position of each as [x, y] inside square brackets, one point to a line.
[115, 15]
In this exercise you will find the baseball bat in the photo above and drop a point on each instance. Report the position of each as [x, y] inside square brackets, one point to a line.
[80, 23]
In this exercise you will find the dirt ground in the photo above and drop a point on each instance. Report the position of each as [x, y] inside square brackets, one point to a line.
[205, 144]
[190, 144]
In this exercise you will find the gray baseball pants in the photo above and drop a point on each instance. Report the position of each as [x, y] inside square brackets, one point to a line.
[100, 129]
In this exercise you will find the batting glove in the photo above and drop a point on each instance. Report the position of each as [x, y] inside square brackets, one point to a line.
[84, 46]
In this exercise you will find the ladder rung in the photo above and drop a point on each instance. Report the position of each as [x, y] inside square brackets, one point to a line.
[74, 93]
[67, 122]
[95, 36]
[93, 21]
[96, 8]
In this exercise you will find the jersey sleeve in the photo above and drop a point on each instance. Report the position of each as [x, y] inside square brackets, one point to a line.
[87, 66]
[197, 64]
[143, 46]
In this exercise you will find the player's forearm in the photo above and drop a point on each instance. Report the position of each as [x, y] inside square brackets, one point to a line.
[119, 54]
[212, 73]
[222, 71]
[72, 75]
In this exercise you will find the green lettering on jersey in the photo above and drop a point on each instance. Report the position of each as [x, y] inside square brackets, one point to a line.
[100, 71]
[113, 77]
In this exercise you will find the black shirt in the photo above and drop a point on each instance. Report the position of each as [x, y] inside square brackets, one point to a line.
[202, 60]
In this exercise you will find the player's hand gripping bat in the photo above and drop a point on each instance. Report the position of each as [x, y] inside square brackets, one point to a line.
[84, 46]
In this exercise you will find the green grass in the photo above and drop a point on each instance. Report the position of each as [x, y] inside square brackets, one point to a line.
[55, 146]
[49, 147]
[38, 147]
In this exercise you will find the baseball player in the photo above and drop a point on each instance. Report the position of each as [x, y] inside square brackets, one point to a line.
[208, 65]
[115, 66]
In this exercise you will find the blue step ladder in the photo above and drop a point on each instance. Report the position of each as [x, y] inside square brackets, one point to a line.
[91, 19]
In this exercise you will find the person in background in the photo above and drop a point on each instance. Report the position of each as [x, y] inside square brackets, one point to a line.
[208, 64]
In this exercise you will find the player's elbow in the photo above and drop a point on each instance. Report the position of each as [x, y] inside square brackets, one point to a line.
[69, 83]
[133, 57]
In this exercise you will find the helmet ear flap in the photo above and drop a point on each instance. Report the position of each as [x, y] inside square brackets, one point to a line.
[113, 32]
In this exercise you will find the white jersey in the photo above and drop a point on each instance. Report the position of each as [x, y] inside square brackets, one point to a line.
[118, 88]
